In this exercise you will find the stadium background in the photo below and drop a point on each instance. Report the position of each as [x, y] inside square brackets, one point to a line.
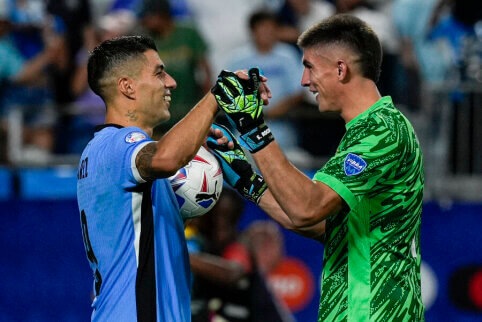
[44, 274]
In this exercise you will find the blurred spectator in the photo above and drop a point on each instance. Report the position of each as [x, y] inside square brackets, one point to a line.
[222, 24]
[75, 17]
[392, 80]
[227, 282]
[295, 16]
[25, 87]
[457, 28]
[183, 51]
[418, 53]
[282, 65]
[88, 109]
[28, 18]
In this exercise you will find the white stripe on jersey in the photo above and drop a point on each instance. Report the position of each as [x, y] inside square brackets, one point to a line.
[135, 172]
[137, 201]
[136, 218]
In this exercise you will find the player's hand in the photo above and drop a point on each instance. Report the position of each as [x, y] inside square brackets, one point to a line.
[241, 101]
[217, 134]
[237, 171]
[264, 91]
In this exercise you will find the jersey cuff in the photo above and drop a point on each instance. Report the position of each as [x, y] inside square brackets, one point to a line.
[135, 172]
[339, 188]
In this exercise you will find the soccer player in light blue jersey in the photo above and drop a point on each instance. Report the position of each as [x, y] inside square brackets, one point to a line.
[132, 230]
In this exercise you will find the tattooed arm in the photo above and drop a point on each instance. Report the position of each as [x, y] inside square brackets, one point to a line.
[178, 146]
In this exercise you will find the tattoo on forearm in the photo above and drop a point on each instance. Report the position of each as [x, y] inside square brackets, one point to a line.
[131, 115]
[144, 161]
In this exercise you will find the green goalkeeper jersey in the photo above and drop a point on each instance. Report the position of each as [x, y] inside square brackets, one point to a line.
[371, 264]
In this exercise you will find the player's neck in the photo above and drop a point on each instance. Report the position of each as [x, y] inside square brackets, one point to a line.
[126, 117]
[358, 99]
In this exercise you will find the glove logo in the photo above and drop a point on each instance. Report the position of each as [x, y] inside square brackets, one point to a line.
[354, 164]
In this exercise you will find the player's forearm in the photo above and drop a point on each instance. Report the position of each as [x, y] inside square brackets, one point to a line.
[269, 204]
[297, 195]
[181, 143]
[215, 268]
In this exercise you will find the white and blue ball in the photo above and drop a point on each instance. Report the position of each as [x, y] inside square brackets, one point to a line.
[197, 186]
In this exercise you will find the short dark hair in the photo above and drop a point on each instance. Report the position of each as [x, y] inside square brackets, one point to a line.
[352, 32]
[113, 53]
[259, 16]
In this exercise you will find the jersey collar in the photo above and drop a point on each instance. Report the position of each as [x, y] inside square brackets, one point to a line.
[103, 126]
[382, 101]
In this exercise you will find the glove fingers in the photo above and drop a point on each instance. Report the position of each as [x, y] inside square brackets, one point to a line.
[224, 129]
[254, 78]
[214, 145]
[226, 73]
[232, 85]
[230, 175]
[220, 91]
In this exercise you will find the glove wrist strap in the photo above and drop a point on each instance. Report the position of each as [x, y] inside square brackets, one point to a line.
[257, 138]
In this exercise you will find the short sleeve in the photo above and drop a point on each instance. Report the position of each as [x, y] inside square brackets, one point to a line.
[363, 163]
[126, 145]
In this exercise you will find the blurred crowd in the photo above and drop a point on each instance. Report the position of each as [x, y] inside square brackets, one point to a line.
[232, 269]
[47, 108]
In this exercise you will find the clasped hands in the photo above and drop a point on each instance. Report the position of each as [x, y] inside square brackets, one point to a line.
[241, 96]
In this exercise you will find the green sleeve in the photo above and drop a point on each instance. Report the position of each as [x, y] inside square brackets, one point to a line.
[366, 159]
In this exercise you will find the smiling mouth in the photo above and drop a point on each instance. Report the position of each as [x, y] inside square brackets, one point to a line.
[167, 98]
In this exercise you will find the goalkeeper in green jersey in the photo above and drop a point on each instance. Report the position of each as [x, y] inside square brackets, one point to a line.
[365, 203]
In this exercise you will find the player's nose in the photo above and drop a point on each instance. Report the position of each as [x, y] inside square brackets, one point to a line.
[305, 78]
[170, 82]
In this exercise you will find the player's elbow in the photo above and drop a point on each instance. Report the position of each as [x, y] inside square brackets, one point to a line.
[313, 214]
[305, 220]
[317, 208]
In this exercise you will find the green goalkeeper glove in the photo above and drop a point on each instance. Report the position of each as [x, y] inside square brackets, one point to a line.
[237, 171]
[241, 102]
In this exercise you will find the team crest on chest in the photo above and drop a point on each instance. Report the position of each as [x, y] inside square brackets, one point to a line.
[354, 164]
[135, 137]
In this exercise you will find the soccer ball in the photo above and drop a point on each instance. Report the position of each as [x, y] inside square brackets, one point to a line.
[198, 185]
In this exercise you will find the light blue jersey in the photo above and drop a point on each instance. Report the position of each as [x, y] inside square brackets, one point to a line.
[133, 233]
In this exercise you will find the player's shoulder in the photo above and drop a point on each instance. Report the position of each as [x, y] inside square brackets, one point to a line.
[382, 124]
[114, 138]
[383, 116]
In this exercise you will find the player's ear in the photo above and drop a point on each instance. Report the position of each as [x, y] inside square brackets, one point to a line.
[127, 87]
[342, 71]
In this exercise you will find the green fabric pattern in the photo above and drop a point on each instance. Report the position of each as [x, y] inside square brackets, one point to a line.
[371, 266]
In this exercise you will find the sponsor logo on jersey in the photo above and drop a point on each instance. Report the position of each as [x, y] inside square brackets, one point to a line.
[354, 164]
[135, 137]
